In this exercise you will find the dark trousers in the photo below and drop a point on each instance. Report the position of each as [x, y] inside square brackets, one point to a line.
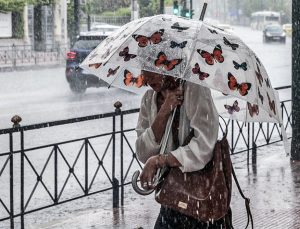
[170, 219]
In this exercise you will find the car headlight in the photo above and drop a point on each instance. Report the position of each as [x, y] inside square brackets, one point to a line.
[268, 34]
[283, 34]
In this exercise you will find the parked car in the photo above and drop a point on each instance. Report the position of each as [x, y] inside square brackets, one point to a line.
[287, 28]
[274, 33]
[78, 79]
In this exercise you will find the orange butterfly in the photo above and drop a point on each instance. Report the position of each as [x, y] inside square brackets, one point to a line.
[210, 57]
[271, 104]
[163, 61]
[143, 41]
[243, 88]
[129, 80]
[96, 65]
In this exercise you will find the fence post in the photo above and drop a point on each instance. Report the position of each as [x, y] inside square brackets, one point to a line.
[11, 181]
[254, 151]
[121, 158]
[22, 178]
[55, 175]
[14, 56]
[86, 152]
[115, 181]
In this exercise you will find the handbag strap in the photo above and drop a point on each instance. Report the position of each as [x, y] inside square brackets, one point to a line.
[247, 200]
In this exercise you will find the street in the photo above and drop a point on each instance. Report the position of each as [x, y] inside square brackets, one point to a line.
[44, 95]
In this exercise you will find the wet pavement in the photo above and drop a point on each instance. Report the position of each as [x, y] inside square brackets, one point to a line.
[272, 184]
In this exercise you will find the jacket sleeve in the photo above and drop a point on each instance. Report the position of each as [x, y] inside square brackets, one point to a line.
[204, 119]
[145, 145]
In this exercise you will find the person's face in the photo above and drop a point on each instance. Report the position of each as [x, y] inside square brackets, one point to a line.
[154, 80]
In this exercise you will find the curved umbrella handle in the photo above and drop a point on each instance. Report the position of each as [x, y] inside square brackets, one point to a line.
[136, 187]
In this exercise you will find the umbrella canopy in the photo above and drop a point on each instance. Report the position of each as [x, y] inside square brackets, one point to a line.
[194, 51]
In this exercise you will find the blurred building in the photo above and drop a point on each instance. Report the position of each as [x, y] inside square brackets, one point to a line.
[44, 26]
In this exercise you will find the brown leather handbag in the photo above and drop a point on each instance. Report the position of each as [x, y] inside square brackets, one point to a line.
[204, 194]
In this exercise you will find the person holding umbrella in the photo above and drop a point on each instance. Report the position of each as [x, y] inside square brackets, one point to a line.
[156, 107]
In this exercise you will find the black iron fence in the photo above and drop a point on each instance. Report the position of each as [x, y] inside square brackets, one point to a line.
[114, 158]
[15, 56]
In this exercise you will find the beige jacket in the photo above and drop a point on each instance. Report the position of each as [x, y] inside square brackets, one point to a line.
[198, 112]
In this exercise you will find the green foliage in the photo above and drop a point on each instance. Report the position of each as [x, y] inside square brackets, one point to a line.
[18, 5]
[101, 6]
[148, 8]
[122, 12]
[12, 5]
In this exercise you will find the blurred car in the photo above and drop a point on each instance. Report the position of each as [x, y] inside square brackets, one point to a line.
[104, 28]
[78, 79]
[274, 33]
[287, 28]
[226, 27]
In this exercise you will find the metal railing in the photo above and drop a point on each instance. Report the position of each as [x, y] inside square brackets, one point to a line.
[15, 56]
[116, 146]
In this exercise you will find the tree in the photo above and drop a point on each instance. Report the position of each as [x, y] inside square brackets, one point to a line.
[149, 8]
[100, 6]
[295, 151]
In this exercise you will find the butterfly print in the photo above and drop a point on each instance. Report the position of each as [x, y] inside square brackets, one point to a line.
[253, 109]
[259, 76]
[260, 96]
[271, 104]
[112, 71]
[126, 55]
[202, 75]
[238, 66]
[243, 88]
[212, 31]
[107, 52]
[96, 65]
[268, 82]
[178, 27]
[258, 61]
[179, 45]
[143, 41]
[228, 43]
[163, 61]
[234, 108]
[93, 55]
[129, 80]
[210, 57]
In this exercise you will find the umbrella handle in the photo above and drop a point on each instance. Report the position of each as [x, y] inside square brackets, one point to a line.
[136, 187]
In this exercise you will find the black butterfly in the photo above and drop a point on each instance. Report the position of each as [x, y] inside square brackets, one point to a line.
[259, 76]
[178, 27]
[126, 55]
[242, 65]
[228, 43]
[212, 31]
[260, 96]
[179, 45]
[268, 82]
[257, 60]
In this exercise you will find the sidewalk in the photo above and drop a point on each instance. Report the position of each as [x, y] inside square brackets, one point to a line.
[273, 187]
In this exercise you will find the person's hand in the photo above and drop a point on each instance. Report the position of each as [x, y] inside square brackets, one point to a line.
[173, 98]
[148, 173]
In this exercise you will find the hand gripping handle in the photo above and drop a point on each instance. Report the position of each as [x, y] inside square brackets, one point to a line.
[136, 187]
